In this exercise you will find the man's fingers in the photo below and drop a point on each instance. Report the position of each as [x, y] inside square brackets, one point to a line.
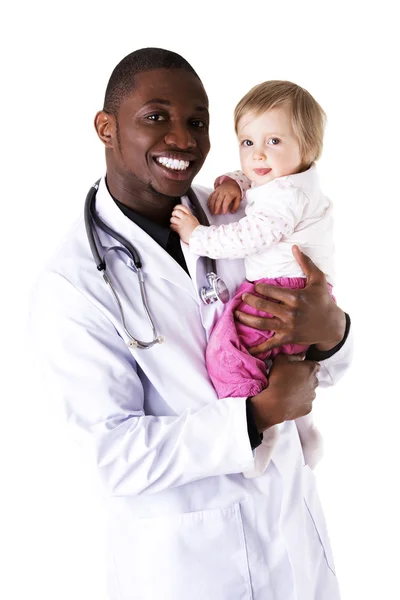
[267, 306]
[273, 342]
[285, 295]
[310, 270]
[262, 323]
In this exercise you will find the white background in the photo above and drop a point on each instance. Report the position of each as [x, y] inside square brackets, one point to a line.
[56, 61]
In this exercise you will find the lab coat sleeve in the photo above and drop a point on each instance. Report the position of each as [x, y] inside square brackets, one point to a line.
[333, 368]
[88, 366]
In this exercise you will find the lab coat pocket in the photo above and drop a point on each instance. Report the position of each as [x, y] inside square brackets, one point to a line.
[199, 555]
[316, 517]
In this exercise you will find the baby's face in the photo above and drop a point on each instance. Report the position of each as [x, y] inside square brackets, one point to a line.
[268, 145]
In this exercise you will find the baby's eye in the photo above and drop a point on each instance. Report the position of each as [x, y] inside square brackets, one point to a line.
[247, 143]
[274, 141]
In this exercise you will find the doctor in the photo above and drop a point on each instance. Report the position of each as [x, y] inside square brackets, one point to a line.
[183, 521]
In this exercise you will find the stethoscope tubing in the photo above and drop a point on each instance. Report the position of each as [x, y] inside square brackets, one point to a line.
[92, 218]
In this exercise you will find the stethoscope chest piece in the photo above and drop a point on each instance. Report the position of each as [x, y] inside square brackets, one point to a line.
[216, 290]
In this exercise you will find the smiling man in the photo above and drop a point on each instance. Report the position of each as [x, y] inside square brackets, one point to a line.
[183, 521]
[156, 139]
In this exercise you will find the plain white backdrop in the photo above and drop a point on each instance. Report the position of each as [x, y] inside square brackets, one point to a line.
[56, 61]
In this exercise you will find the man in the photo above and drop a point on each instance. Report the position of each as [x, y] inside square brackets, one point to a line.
[183, 521]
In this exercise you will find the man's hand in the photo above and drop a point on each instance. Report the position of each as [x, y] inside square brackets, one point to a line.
[304, 316]
[227, 194]
[183, 222]
[290, 392]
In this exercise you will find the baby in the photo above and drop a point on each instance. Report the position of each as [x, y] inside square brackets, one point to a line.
[280, 129]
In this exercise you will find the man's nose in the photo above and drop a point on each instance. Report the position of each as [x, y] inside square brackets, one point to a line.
[180, 136]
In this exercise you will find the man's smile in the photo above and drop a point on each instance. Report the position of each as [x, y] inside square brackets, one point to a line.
[176, 165]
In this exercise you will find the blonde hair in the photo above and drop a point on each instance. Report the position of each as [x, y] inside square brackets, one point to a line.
[308, 118]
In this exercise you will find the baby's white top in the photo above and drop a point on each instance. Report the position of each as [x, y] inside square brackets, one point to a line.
[289, 210]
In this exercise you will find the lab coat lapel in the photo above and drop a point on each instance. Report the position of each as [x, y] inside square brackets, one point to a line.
[197, 267]
[156, 261]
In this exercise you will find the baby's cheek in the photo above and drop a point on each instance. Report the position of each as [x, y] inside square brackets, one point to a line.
[246, 169]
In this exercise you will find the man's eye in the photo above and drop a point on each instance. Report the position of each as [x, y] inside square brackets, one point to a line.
[247, 143]
[198, 123]
[274, 141]
[155, 117]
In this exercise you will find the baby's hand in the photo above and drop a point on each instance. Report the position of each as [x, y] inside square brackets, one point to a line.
[183, 222]
[227, 194]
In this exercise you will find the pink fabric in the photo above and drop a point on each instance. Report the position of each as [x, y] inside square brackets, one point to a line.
[233, 371]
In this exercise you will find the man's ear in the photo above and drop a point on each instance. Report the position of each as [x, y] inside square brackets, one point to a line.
[105, 126]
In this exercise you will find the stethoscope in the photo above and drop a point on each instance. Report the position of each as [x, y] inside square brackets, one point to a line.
[215, 289]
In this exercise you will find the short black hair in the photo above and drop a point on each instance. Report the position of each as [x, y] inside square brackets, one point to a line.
[122, 80]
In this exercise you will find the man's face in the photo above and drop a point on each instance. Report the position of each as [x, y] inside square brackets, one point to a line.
[162, 132]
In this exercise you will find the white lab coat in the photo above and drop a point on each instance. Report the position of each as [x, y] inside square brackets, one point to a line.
[183, 521]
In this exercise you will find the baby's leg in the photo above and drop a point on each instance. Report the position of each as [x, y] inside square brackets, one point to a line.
[263, 453]
[235, 373]
[311, 440]
[251, 337]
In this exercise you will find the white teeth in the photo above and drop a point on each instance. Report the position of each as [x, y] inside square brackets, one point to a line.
[171, 163]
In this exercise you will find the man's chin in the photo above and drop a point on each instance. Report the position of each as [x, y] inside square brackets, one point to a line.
[172, 188]
[171, 182]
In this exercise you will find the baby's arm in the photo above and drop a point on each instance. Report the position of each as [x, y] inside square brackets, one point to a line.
[254, 233]
[229, 190]
[183, 222]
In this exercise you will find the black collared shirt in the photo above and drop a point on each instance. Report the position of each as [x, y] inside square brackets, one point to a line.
[164, 236]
